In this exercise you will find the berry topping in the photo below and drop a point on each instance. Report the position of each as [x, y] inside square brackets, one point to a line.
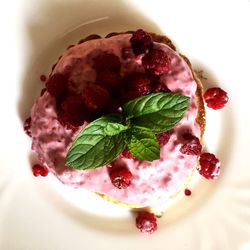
[107, 61]
[126, 153]
[209, 166]
[164, 137]
[187, 192]
[191, 145]
[57, 85]
[26, 126]
[109, 80]
[216, 98]
[157, 85]
[141, 42]
[156, 62]
[88, 38]
[120, 176]
[140, 83]
[96, 98]
[73, 111]
[41, 170]
[146, 222]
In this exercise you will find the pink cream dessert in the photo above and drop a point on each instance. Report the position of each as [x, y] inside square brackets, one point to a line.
[97, 77]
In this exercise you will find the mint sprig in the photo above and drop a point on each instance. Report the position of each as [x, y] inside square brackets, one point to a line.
[104, 139]
[158, 112]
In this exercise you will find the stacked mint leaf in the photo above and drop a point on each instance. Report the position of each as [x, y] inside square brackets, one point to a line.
[104, 139]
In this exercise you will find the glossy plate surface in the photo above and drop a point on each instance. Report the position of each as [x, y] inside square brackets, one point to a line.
[41, 213]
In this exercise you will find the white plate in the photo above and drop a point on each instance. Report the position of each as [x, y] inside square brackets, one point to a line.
[40, 213]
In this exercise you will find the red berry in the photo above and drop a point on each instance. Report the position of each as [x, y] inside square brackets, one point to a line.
[107, 61]
[156, 62]
[130, 95]
[187, 192]
[126, 153]
[41, 170]
[57, 85]
[146, 222]
[191, 145]
[141, 42]
[109, 80]
[73, 111]
[140, 83]
[157, 85]
[164, 137]
[96, 98]
[26, 126]
[216, 98]
[209, 166]
[120, 176]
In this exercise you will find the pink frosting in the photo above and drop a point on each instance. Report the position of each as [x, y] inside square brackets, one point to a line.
[153, 183]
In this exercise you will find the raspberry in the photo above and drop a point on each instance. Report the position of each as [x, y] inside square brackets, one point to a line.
[216, 98]
[96, 98]
[157, 85]
[146, 222]
[120, 176]
[130, 95]
[191, 145]
[73, 111]
[41, 170]
[209, 166]
[88, 38]
[109, 80]
[26, 126]
[127, 154]
[164, 137]
[140, 83]
[127, 53]
[141, 42]
[187, 192]
[107, 61]
[156, 62]
[57, 85]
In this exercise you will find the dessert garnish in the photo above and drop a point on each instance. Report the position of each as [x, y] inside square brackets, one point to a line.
[104, 139]
[216, 98]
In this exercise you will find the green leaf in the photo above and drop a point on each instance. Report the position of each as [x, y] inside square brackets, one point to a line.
[158, 111]
[142, 143]
[99, 143]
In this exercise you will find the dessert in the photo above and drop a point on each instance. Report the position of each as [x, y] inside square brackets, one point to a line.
[100, 76]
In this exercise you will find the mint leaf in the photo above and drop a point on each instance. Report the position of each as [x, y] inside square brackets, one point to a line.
[158, 112]
[99, 143]
[142, 143]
